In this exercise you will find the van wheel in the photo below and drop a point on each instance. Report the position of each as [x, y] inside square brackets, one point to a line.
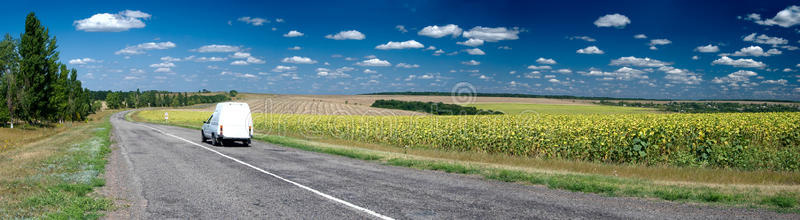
[214, 140]
[246, 143]
[202, 136]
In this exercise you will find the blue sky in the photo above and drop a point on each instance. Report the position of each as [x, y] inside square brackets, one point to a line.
[685, 49]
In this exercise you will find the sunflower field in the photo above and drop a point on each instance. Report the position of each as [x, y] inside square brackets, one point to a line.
[746, 141]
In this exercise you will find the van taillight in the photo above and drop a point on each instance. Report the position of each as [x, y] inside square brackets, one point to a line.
[220, 130]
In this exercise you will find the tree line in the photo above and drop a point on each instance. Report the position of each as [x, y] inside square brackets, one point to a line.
[709, 107]
[39, 89]
[432, 107]
[154, 98]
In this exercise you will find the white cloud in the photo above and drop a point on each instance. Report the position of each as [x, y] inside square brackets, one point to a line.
[749, 63]
[640, 62]
[163, 70]
[640, 36]
[680, 76]
[585, 38]
[492, 34]
[369, 71]
[295, 48]
[554, 81]
[239, 63]
[293, 33]
[105, 22]
[785, 18]
[83, 61]
[475, 51]
[140, 48]
[170, 59]
[407, 66]
[695, 57]
[504, 48]
[612, 20]
[707, 49]
[215, 48]
[131, 78]
[590, 50]
[401, 28]
[471, 63]
[544, 67]
[778, 82]
[279, 20]
[255, 60]
[564, 71]
[756, 51]
[136, 71]
[400, 45]
[624, 73]
[280, 68]
[298, 60]
[471, 42]
[440, 31]
[655, 42]
[240, 55]
[253, 21]
[374, 62]
[764, 39]
[162, 65]
[788, 70]
[736, 79]
[210, 59]
[338, 73]
[543, 60]
[347, 35]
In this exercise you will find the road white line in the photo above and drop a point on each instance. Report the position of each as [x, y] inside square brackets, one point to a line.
[348, 204]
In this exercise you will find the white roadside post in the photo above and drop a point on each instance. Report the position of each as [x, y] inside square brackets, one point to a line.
[166, 117]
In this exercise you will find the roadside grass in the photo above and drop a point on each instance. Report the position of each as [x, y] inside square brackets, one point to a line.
[765, 189]
[519, 108]
[55, 177]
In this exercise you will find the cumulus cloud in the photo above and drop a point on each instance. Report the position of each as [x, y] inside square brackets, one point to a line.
[471, 63]
[407, 66]
[755, 51]
[504, 48]
[163, 70]
[293, 33]
[298, 60]
[471, 42]
[585, 38]
[640, 36]
[707, 49]
[140, 48]
[280, 69]
[215, 48]
[656, 42]
[295, 48]
[347, 35]
[83, 61]
[391, 45]
[253, 21]
[624, 73]
[564, 71]
[171, 59]
[543, 60]
[639, 62]
[492, 34]
[248, 59]
[748, 63]
[475, 51]
[239, 63]
[374, 62]
[590, 50]
[680, 76]
[612, 20]
[736, 79]
[764, 39]
[777, 82]
[332, 74]
[543, 67]
[210, 59]
[105, 22]
[162, 65]
[785, 18]
[440, 31]
[369, 71]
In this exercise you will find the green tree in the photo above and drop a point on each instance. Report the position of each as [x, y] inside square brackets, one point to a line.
[114, 100]
[38, 67]
[9, 69]
[60, 96]
[233, 93]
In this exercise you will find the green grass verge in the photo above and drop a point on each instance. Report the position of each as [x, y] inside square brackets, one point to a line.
[64, 184]
[518, 108]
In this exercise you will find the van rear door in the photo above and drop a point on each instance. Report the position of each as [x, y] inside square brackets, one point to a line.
[235, 119]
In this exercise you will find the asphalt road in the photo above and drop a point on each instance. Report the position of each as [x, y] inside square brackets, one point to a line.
[166, 172]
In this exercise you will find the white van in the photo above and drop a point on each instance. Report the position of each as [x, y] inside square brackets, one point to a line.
[231, 121]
